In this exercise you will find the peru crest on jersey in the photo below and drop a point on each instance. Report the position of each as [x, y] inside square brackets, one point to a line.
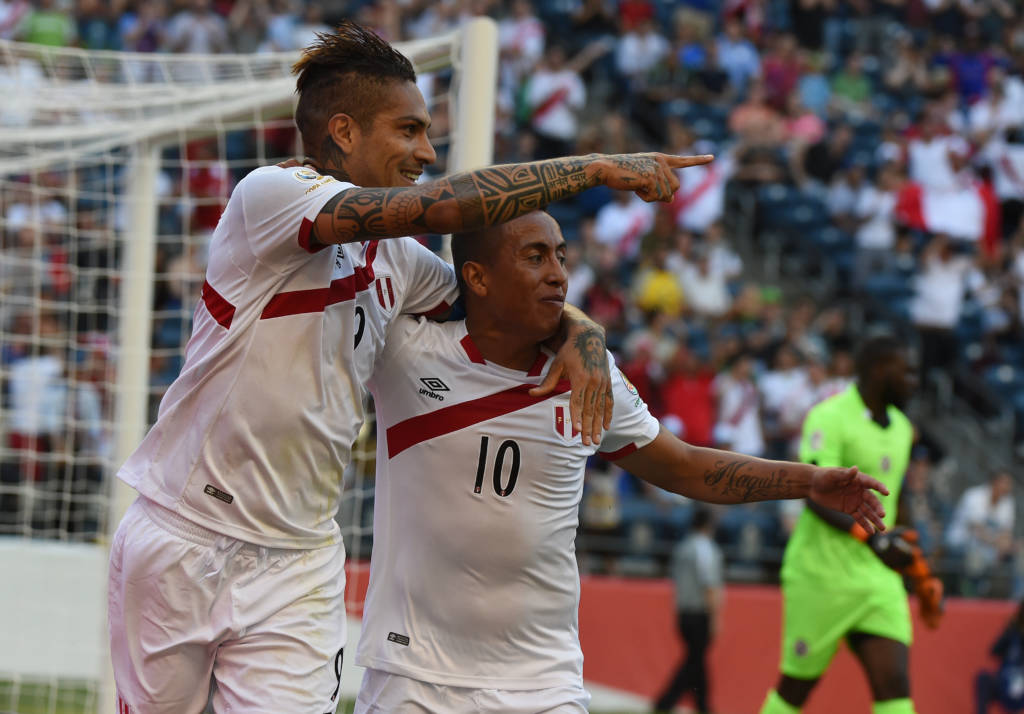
[384, 289]
[563, 424]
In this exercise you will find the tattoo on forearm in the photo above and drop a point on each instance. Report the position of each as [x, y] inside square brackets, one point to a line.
[643, 165]
[591, 348]
[483, 197]
[734, 478]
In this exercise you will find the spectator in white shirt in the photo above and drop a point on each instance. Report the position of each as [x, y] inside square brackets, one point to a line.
[935, 158]
[555, 95]
[622, 222]
[723, 259]
[639, 50]
[739, 410]
[776, 387]
[940, 287]
[738, 56]
[873, 213]
[705, 286]
[996, 111]
[520, 42]
[981, 530]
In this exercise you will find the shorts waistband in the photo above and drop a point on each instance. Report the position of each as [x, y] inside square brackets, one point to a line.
[181, 526]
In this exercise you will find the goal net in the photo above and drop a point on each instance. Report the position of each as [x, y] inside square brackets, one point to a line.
[114, 168]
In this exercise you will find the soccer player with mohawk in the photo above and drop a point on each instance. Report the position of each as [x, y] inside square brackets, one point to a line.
[229, 567]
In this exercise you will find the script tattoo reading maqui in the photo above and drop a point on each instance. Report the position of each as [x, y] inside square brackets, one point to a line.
[730, 479]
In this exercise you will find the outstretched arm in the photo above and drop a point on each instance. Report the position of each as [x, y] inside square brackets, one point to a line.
[497, 194]
[726, 477]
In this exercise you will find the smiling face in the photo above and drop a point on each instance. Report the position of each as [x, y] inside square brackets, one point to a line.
[523, 283]
[392, 149]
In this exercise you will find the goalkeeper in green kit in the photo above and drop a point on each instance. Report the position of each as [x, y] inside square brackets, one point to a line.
[838, 581]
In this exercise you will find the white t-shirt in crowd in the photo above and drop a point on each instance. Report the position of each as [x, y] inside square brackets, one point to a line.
[975, 508]
[929, 162]
[253, 436]
[473, 581]
[554, 99]
[939, 292]
[875, 208]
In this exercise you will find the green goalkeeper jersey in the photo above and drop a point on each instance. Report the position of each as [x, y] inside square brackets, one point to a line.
[841, 432]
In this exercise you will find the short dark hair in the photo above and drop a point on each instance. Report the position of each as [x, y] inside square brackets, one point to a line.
[874, 350]
[702, 517]
[344, 71]
[478, 246]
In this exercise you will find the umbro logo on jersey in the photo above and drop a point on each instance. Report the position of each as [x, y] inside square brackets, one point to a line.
[398, 639]
[212, 490]
[433, 385]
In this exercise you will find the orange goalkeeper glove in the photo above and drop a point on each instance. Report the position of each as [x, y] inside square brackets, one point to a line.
[899, 550]
[927, 587]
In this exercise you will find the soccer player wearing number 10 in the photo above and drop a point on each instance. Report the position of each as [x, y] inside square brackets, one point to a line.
[473, 587]
[229, 566]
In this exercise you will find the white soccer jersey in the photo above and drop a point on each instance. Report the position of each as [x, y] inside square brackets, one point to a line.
[473, 581]
[253, 437]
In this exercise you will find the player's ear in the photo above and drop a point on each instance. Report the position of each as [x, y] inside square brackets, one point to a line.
[474, 276]
[342, 128]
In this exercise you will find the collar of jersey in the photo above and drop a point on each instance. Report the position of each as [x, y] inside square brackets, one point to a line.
[474, 355]
[863, 408]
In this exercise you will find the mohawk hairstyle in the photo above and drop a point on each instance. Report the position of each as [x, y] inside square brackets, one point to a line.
[343, 72]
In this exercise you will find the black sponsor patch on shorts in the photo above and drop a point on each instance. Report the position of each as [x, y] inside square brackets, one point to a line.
[398, 639]
[218, 494]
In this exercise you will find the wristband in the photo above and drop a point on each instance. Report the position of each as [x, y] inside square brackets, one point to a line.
[858, 532]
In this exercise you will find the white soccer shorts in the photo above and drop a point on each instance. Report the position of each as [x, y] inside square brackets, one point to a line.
[387, 693]
[189, 608]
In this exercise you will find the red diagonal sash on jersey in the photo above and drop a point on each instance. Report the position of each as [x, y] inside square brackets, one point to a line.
[682, 202]
[431, 425]
[550, 102]
[221, 310]
[296, 302]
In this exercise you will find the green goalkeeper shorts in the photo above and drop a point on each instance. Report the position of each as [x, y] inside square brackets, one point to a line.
[815, 620]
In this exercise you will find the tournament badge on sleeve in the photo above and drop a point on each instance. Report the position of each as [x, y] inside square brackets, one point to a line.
[384, 290]
[563, 424]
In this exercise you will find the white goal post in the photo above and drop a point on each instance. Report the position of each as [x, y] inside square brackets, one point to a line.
[111, 166]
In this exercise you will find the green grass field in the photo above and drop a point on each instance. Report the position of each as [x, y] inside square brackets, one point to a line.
[76, 698]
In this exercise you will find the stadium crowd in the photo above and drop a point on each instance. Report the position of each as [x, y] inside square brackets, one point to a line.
[870, 161]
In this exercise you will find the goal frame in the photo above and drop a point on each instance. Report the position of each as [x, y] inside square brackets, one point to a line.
[472, 51]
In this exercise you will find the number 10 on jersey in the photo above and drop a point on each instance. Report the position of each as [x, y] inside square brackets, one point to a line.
[508, 449]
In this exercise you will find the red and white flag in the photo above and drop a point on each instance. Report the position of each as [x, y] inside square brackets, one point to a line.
[385, 292]
[970, 213]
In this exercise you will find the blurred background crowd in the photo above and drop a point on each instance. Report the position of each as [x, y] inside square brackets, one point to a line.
[869, 174]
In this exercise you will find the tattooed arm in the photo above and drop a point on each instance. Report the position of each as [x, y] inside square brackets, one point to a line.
[583, 359]
[497, 194]
[726, 477]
